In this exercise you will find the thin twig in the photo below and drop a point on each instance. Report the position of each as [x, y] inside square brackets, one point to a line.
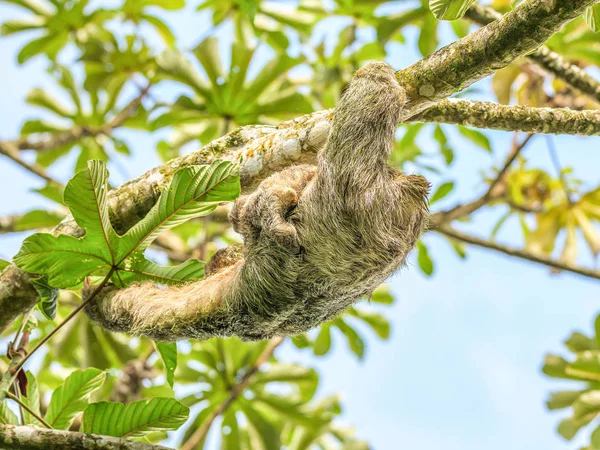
[9, 150]
[558, 167]
[12, 372]
[28, 409]
[68, 318]
[235, 391]
[517, 253]
[492, 193]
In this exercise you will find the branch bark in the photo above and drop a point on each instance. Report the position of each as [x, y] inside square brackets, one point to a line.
[513, 117]
[551, 62]
[458, 65]
[31, 438]
[517, 253]
[427, 82]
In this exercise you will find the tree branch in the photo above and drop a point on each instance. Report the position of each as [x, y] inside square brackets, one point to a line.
[234, 392]
[513, 117]
[31, 438]
[458, 65]
[516, 253]
[59, 139]
[495, 190]
[427, 82]
[551, 62]
[11, 151]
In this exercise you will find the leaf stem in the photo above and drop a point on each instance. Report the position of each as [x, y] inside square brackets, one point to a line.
[13, 370]
[28, 409]
[67, 319]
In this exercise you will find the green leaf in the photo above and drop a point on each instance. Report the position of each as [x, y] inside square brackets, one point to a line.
[382, 295]
[15, 26]
[597, 330]
[193, 192]
[376, 321]
[555, 366]
[586, 366]
[140, 269]
[478, 138]
[177, 67]
[449, 9]
[48, 297]
[578, 342]
[168, 353]
[355, 341]
[323, 342]
[64, 259]
[305, 379]
[7, 417]
[595, 438]
[230, 432]
[568, 428]
[85, 195]
[441, 192]
[32, 399]
[52, 191]
[72, 397]
[41, 98]
[428, 38]
[562, 399]
[33, 220]
[136, 419]
[264, 435]
[4, 264]
[425, 262]
[586, 404]
[207, 53]
[161, 28]
[592, 17]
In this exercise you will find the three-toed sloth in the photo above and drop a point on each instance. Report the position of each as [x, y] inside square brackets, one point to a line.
[316, 239]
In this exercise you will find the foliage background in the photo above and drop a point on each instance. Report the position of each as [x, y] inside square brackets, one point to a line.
[462, 366]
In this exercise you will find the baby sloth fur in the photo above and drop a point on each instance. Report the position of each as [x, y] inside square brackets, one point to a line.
[316, 239]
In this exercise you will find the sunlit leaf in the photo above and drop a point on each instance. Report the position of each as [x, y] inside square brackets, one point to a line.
[72, 397]
[136, 419]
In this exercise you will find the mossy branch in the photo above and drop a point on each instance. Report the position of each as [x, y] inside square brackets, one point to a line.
[31, 438]
[548, 60]
[513, 118]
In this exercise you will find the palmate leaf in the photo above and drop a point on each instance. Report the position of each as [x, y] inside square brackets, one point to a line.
[73, 396]
[194, 192]
[136, 419]
[85, 196]
[66, 260]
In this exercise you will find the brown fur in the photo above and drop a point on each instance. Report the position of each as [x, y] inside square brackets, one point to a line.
[316, 240]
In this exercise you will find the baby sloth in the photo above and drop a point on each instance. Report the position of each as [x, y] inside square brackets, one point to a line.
[316, 239]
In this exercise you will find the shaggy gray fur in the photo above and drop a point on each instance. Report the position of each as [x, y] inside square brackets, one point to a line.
[316, 240]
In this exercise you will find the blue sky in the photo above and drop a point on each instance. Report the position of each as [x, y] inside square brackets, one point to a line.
[462, 368]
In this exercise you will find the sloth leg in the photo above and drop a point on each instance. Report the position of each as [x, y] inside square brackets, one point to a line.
[267, 210]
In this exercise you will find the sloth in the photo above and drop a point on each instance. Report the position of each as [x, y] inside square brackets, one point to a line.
[316, 239]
